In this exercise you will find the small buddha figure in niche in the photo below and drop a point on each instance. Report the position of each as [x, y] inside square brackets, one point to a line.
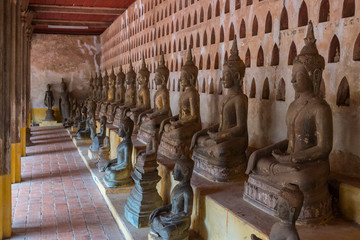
[90, 129]
[130, 96]
[173, 221]
[119, 96]
[142, 95]
[64, 103]
[287, 209]
[303, 157]
[99, 137]
[219, 153]
[118, 170]
[150, 120]
[178, 130]
[49, 102]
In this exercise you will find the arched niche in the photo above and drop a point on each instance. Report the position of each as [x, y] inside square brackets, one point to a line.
[191, 44]
[248, 58]
[275, 56]
[292, 54]
[185, 43]
[209, 12]
[284, 20]
[216, 63]
[237, 4]
[217, 9]
[348, 8]
[213, 36]
[281, 90]
[343, 93]
[211, 86]
[260, 58]
[266, 90]
[268, 23]
[201, 62]
[253, 89]
[356, 53]
[227, 6]
[255, 26]
[231, 32]
[324, 13]
[205, 39]
[334, 50]
[203, 87]
[219, 90]
[249, 2]
[303, 15]
[195, 18]
[179, 45]
[197, 40]
[189, 21]
[208, 62]
[242, 29]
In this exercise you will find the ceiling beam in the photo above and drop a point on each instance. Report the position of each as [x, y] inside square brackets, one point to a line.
[76, 9]
[45, 22]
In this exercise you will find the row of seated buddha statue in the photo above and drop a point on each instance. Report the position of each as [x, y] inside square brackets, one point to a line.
[218, 152]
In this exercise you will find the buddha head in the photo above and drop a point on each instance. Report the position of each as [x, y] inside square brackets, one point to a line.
[120, 77]
[126, 127]
[183, 169]
[48, 87]
[162, 72]
[289, 203]
[234, 68]
[112, 77]
[130, 75]
[144, 74]
[103, 121]
[189, 71]
[308, 66]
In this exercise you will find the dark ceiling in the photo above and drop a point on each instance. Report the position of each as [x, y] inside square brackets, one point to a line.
[83, 17]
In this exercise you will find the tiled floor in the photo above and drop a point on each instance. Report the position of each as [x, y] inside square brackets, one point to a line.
[57, 198]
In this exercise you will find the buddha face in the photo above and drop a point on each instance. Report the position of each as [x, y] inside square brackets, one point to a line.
[121, 131]
[228, 78]
[141, 79]
[48, 87]
[129, 80]
[300, 79]
[159, 78]
[177, 173]
[185, 79]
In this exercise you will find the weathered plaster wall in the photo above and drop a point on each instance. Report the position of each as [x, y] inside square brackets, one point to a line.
[54, 57]
[150, 26]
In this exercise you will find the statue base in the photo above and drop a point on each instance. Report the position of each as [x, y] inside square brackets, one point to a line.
[49, 124]
[263, 194]
[50, 115]
[112, 183]
[171, 148]
[219, 170]
[145, 136]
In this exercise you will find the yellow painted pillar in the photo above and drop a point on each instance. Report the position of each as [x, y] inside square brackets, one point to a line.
[16, 150]
[23, 141]
[5, 206]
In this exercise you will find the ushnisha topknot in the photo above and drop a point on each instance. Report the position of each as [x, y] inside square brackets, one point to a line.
[234, 62]
[162, 69]
[143, 70]
[189, 65]
[309, 55]
[131, 73]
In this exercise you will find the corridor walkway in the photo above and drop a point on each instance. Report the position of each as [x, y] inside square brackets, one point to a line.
[57, 198]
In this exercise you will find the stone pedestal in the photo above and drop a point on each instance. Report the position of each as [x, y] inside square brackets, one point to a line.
[50, 115]
[49, 123]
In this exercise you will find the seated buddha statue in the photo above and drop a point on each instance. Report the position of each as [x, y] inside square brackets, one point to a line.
[118, 170]
[104, 95]
[178, 130]
[219, 151]
[98, 138]
[82, 122]
[150, 120]
[98, 99]
[142, 95]
[302, 158]
[130, 96]
[119, 96]
[173, 221]
[90, 128]
[113, 98]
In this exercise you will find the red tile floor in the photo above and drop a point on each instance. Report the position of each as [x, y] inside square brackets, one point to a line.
[57, 198]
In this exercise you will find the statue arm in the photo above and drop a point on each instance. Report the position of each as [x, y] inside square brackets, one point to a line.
[165, 109]
[188, 203]
[265, 152]
[143, 114]
[159, 210]
[166, 121]
[324, 136]
[202, 133]
[194, 110]
[108, 164]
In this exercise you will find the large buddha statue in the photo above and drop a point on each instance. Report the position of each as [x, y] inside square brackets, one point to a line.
[64, 104]
[219, 153]
[178, 130]
[173, 221]
[119, 95]
[142, 95]
[130, 96]
[150, 120]
[302, 158]
[118, 170]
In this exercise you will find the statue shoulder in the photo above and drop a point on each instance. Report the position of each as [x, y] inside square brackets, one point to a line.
[320, 105]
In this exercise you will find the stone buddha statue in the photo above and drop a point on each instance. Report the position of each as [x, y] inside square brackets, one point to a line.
[302, 158]
[110, 97]
[77, 116]
[119, 95]
[90, 128]
[142, 95]
[118, 170]
[98, 138]
[104, 154]
[173, 221]
[287, 209]
[130, 96]
[83, 117]
[219, 151]
[104, 95]
[99, 94]
[178, 130]
[64, 103]
[150, 120]
[49, 102]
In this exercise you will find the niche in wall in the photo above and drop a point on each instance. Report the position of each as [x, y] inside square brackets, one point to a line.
[266, 90]
[343, 93]
[281, 91]
[356, 53]
[253, 89]
[348, 8]
[292, 53]
[275, 56]
[334, 50]
[324, 13]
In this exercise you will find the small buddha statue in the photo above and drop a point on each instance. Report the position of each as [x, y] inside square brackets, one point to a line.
[64, 103]
[173, 221]
[77, 117]
[219, 153]
[83, 117]
[104, 154]
[99, 137]
[130, 96]
[118, 170]
[119, 95]
[287, 209]
[303, 157]
[104, 95]
[49, 102]
[178, 130]
[150, 120]
[90, 129]
[142, 95]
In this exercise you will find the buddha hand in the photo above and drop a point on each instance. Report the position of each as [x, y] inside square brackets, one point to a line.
[281, 156]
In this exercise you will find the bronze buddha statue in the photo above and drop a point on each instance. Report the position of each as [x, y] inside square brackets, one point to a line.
[64, 104]
[49, 102]
[119, 96]
[150, 120]
[130, 96]
[219, 151]
[142, 95]
[303, 157]
[176, 132]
